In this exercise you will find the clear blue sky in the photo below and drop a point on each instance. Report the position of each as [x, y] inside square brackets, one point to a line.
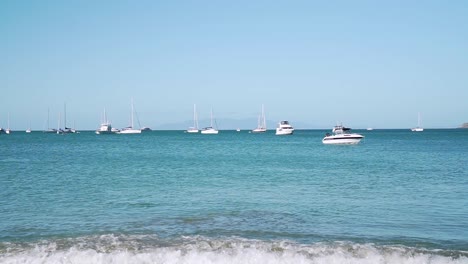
[364, 63]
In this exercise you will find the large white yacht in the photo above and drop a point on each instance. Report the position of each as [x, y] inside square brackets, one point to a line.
[284, 128]
[341, 136]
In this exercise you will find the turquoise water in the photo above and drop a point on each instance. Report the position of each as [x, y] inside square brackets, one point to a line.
[235, 197]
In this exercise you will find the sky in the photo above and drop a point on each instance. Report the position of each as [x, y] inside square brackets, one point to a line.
[315, 63]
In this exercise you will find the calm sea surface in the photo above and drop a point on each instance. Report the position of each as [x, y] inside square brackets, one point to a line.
[235, 197]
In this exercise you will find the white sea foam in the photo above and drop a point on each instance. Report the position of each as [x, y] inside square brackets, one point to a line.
[144, 249]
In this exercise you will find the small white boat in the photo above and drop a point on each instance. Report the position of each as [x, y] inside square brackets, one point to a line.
[8, 130]
[130, 129]
[29, 128]
[419, 127]
[284, 128]
[340, 136]
[210, 130]
[261, 126]
[194, 129]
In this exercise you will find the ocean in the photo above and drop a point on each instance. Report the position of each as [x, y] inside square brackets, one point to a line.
[172, 197]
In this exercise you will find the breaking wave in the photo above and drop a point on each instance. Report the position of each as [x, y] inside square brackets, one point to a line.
[151, 249]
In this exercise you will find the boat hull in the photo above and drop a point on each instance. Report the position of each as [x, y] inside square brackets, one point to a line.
[284, 131]
[209, 131]
[130, 131]
[343, 139]
[105, 132]
[259, 130]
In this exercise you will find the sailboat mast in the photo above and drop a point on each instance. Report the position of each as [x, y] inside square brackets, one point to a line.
[211, 117]
[195, 125]
[419, 119]
[105, 116]
[65, 115]
[264, 118]
[132, 113]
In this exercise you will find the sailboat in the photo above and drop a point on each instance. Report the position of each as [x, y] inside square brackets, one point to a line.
[8, 130]
[130, 129]
[210, 129]
[66, 129]
[29, 128]
[419, 127]
[59, 130]
[261, 126]
[49, 130]
[194, 129]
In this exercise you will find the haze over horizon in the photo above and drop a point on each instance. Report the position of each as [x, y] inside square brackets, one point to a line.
[364, 63]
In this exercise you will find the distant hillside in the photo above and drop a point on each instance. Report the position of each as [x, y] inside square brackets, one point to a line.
[464, 125]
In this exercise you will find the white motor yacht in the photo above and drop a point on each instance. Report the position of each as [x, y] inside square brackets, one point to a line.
[105, 128]
[341, 136]
[284, 128]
